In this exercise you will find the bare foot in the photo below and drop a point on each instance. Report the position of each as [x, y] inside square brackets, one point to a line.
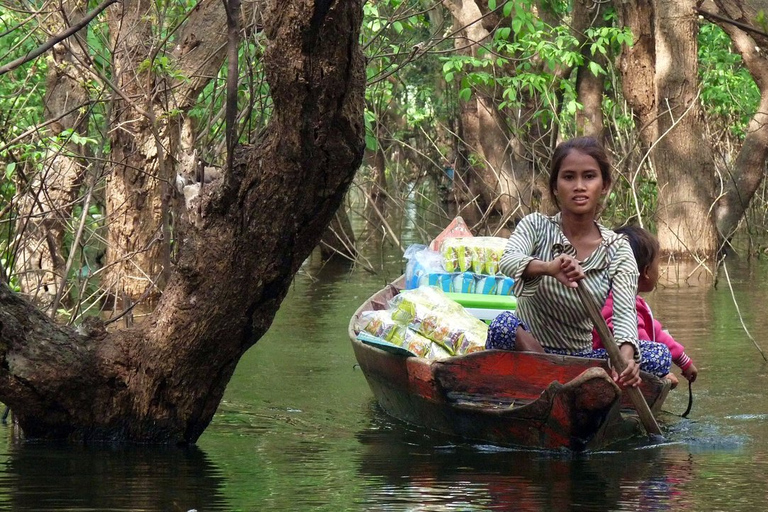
[671, 377]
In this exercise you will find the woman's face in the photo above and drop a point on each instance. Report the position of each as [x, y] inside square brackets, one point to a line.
[580, 186]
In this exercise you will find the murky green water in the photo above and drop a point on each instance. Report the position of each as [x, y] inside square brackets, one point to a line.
[299, 430]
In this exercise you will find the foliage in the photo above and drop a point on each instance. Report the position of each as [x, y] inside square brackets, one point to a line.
[419, 77]
[729, 95]
[405, 95]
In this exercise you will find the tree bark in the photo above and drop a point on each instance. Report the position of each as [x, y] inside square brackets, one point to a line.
[743, 178]
[682, 158]
[660, 77]
[48, 199]
[244, 238]
[589, 86]
[494, 172]
[150, 146]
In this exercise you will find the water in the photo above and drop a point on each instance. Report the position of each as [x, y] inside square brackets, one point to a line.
[298, 429]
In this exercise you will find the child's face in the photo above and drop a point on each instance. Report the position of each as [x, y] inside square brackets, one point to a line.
[649, 276]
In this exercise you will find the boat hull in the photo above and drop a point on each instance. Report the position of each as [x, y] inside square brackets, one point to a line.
[504, 398]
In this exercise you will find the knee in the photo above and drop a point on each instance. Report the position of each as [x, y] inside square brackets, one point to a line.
[502, 333]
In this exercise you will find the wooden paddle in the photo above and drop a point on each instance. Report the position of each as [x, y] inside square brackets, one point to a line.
[638, 400]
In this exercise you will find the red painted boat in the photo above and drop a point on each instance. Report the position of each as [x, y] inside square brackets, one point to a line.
[504, 398]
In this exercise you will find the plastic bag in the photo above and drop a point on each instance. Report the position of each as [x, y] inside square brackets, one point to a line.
[479, 254]
[378, 323]
[422, 262]
[434, 315]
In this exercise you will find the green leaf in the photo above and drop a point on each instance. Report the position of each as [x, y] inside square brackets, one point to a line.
[449, 77]
[465, 94]
[371, 143]
[508, 8]
[492, 5]
[596, 68]
[398, 27]
[10, 167]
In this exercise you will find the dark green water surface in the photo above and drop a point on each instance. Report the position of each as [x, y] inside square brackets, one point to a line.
[298, 429]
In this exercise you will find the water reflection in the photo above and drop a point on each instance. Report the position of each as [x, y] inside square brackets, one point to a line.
[44, 476]
[409, 466]
[298, 428]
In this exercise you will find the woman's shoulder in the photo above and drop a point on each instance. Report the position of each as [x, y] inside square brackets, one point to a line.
[609, 236]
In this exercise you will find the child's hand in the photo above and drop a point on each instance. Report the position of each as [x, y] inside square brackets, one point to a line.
[690, 373]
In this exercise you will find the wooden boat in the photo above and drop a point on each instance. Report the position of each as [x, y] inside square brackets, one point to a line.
[504, 398]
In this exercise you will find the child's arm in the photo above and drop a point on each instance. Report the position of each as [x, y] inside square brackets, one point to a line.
[679, 357]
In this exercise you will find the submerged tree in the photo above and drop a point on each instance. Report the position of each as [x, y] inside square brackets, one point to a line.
[240, 240]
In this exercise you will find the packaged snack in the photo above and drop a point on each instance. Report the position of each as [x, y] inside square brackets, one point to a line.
[505, 285]
[457, 256]
[432, 314]
[486, 284]
[473, 340]
[418, 344]
[480, 254]
[463, 282]
[377, 323]
[441, 280]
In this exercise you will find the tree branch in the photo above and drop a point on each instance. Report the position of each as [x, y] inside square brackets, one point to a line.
[743, 26]
[56, 39]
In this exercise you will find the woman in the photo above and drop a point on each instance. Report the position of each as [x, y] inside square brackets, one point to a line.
[550, 256]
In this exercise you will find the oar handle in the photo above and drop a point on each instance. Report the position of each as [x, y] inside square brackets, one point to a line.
[638, 400]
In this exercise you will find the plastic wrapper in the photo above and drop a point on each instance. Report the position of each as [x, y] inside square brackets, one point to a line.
[473, 339]
[418, 344]
[456, 254]
[377, 323]
[422, 264]
[479, 254]
[432, 314]
[505, 285]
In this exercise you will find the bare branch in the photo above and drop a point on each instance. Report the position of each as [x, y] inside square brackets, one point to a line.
[56, 39]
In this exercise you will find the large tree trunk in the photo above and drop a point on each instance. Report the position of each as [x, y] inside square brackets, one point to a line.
[660, 77]
[589, 86]
[244, 238]
[682, 158]
[149, 146]
[48, 198]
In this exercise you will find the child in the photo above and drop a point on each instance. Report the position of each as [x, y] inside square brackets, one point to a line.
[645, 247]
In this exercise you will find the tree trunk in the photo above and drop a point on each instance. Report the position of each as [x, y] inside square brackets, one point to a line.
[662, 70]
[589, 86]
[494, 173]
[149, 146]
[744, 177]
[48, 199]
[682, 157]
[244, 238]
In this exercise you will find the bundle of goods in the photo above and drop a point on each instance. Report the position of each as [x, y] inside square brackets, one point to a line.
[462, 265]
[479, 254]
[426, 322]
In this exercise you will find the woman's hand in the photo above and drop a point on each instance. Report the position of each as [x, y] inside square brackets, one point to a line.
[630, 377]
[567, 270]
